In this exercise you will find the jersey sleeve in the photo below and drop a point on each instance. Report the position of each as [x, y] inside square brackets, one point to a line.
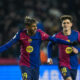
[10, 43]
[60, 41]
[49, 49]
[78, 41]
[44, 36]
[79, 37]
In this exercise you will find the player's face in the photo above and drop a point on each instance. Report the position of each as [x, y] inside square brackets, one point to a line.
[66, 24]
[32, 29]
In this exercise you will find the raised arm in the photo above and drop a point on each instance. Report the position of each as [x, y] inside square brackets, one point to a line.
[10, 43]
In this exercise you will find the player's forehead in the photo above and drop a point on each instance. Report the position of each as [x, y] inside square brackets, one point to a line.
[66, 20]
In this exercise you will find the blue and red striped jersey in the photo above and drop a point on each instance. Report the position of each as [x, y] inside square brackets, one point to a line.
[30, 46]
[66, 57]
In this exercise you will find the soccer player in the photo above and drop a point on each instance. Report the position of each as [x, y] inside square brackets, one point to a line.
[68, 62]
[30, 40]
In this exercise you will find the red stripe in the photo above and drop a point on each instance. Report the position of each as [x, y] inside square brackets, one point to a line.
[64, 58]
[25, 60]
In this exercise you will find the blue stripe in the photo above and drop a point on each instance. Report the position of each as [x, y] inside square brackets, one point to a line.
[73, 56]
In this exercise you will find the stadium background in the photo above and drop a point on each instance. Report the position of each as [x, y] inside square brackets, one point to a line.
[12, 13]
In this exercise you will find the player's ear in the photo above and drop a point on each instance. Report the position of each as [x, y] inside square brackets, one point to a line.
[71, 24]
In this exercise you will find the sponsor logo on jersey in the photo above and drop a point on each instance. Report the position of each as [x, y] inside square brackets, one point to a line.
[29, 49]
[68, 50]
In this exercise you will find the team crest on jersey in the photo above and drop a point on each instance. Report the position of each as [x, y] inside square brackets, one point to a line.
[68, 50]
[29, 40]
[29, 49]
[68, 40]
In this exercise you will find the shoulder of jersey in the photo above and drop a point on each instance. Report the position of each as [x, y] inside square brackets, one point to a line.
[56, 34]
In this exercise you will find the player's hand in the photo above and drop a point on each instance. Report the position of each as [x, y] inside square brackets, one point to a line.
[75, 50]
[74, 43]
[50, 61]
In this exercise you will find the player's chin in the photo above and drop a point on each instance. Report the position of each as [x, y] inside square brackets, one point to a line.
[34, 32]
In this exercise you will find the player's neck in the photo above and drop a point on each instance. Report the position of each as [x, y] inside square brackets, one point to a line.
[66, 32]
[29, 33]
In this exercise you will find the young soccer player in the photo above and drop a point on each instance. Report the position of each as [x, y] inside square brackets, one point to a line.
[30, 40]
[68, 62]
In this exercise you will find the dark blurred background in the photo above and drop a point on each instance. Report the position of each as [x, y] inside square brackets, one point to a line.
[12, 13]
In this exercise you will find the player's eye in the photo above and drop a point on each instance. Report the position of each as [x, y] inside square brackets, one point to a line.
[65, 22]
[33, 26]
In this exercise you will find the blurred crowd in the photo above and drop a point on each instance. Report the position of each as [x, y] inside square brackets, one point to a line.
[12, 13]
